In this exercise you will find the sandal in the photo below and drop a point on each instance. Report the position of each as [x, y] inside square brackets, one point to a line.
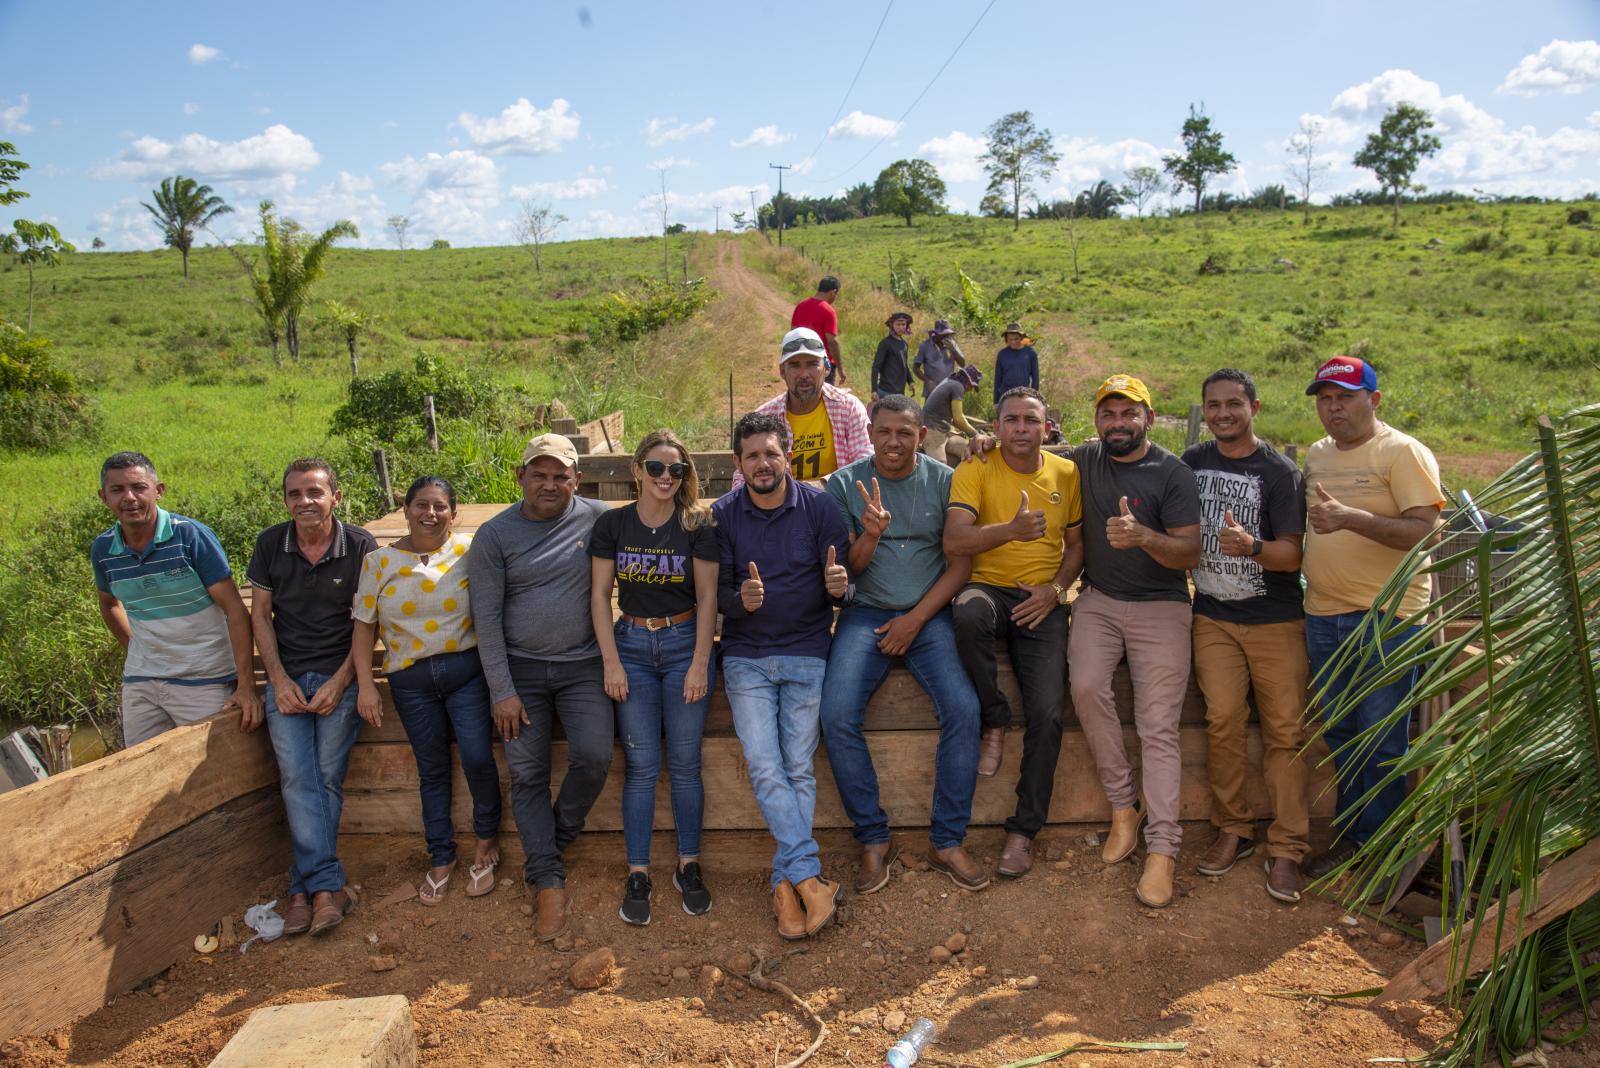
[482, 878]
[431, 892]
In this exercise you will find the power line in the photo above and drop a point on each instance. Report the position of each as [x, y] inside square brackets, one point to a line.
[948, 60]
[846, 98]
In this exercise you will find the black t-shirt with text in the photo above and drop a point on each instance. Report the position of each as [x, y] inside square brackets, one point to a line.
[655, 569]
[1265, 492]
[1161, 495]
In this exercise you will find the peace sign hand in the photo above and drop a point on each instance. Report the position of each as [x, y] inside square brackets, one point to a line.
[875, 520]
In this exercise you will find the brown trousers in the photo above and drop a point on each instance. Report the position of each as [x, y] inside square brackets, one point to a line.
[1230, 658]
[1155, 637]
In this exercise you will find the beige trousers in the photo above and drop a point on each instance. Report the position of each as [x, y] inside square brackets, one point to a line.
[157, 705]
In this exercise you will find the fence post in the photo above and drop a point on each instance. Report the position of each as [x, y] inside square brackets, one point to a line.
[1193, 436]
[433, 425]
[380, 464]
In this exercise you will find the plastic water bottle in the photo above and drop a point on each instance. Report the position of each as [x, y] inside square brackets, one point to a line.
[904, 1053]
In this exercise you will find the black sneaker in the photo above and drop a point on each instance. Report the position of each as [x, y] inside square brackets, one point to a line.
[1319, 867]
[636, 900]
[696, 898]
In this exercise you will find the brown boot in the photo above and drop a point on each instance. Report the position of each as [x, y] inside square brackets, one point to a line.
[876, 860]
[1226, 851]
[1123, 838]
[821, 900]
[959, 865]
[991, 747]
[1016, 858]
[786, 907]
[1155, 885]
[1283, 879]
[297, 917]
[550, 907]
[328, 910]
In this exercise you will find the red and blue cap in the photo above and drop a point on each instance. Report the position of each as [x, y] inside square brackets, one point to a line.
[1350, 372]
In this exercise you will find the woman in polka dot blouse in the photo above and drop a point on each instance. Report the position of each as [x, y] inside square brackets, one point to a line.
[413, 598]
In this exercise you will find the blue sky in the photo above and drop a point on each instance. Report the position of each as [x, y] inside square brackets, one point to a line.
[454, 116]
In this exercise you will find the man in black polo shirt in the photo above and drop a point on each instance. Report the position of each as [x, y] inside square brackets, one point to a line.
[304, 573]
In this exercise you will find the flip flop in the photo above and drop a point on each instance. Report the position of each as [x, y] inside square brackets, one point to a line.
[481, 878]
[431, 892]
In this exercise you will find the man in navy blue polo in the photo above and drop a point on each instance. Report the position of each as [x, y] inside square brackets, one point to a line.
[782, 546]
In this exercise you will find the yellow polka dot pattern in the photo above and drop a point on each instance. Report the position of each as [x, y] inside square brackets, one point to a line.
[407, 600]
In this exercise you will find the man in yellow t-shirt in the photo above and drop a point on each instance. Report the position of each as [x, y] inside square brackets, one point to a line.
[827, 425]
[1372, 494]
[1020, 517]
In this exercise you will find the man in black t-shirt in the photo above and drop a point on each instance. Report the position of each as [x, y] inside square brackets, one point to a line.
[891, 368]
[1141, 532]
[1249, 630]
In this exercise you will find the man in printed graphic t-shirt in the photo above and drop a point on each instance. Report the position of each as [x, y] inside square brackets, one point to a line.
[1249, 631]
[827, 425]
[816, 313]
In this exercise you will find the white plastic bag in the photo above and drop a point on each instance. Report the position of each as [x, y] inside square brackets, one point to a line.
[264, 921]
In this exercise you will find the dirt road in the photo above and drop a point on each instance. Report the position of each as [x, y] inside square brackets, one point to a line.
[758, 315]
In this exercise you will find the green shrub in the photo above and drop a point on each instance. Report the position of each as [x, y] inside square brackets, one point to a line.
[389, 406]
[1551, 351]
[41, 406]
[1293, 353]
[629, 315]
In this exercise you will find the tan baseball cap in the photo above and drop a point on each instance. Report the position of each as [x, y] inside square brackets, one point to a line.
[554, 445]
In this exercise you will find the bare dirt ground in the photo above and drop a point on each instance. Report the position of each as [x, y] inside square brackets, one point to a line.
[1063, 954]
[763, 318]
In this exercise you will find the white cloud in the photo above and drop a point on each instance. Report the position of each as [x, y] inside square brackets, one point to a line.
[766, 136]
[1085, 161]
[191, 109]
[604, 223]
[277, 153]
[1561, 66]
[349, 196]
[583, 187]
[731, 198]
[11, 117]
[660, 131]
[467, 172]
[452, 195]
[667, 163]
[126, 226]
[1367, 102]
[956, 155]
[522, 129]
[860, 124]
[199, 53]
[390, 124]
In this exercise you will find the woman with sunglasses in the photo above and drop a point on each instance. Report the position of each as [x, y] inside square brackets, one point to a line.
[413, 597]
[661, 553]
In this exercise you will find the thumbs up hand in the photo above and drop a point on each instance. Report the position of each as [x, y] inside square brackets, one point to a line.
[751, 592]
[1123, 530]
[834, 577]
[1027, 525]
[1233, 539]
[1327, 515]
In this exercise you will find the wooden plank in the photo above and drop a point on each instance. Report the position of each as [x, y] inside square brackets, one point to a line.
[604, 434]
[1562, 887]
[76, 822]
[372, 1032]
[66, 954]
[381, 788]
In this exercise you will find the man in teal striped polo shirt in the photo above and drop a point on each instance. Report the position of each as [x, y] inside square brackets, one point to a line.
[167, 595]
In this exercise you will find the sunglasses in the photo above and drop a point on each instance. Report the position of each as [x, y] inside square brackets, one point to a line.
[655, 469]
[801, 344]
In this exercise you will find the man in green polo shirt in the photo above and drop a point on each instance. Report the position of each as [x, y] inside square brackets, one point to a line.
[167, 595]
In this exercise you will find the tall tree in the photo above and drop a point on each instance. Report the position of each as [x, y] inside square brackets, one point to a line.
[182, 206]
[399, 225]
[909, 187]
[1143, 183]
[1202, 156]
[1393, 153]
[1099, 201]
[351, 322]
[1303, 166]
[1018, 154]
[536, 224]
[292, 262]
[11, 169]
[34, 244]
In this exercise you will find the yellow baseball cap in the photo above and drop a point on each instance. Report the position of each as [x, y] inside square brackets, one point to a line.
[1123, 386]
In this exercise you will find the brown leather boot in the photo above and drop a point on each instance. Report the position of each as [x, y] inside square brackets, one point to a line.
[821, 900]
[1226, 851]
[1016, 858]
[550, 908]
[297, 917]
[991, 747]
[786, 907]
[1155, 885]
[328, 909]
[1283, 879]
[876, 860]
[1123, 838]
[959, 865]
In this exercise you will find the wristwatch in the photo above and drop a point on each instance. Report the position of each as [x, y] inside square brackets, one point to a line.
[1061, 592]
[1256, 545]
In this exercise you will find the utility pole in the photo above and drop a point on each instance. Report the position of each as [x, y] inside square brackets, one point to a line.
[716, 217]
[666, 244]
[780, 168]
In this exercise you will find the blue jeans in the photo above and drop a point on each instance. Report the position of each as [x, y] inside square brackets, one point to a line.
[656, 662]
[775, 703]
[313, 752]
[855, 671]
[1363, 767]
[434, 696]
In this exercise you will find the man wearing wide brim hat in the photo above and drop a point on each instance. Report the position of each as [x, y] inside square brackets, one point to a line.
[938, 357]
[891, 370]
[1017, 364]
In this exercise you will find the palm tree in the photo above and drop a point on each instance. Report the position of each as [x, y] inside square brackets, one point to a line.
[182, 207]
[281, 285]
[351, 322]
[1515, 760]
[34, 244]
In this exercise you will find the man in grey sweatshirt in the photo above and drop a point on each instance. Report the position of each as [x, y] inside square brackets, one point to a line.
[529, 574]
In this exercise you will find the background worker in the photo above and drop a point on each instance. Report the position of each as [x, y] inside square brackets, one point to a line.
[891, 367]
[817, 313]
[945, 421]
[937, 357]
[1017, 364]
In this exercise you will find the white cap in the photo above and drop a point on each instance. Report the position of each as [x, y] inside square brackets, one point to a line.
[802, 341]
